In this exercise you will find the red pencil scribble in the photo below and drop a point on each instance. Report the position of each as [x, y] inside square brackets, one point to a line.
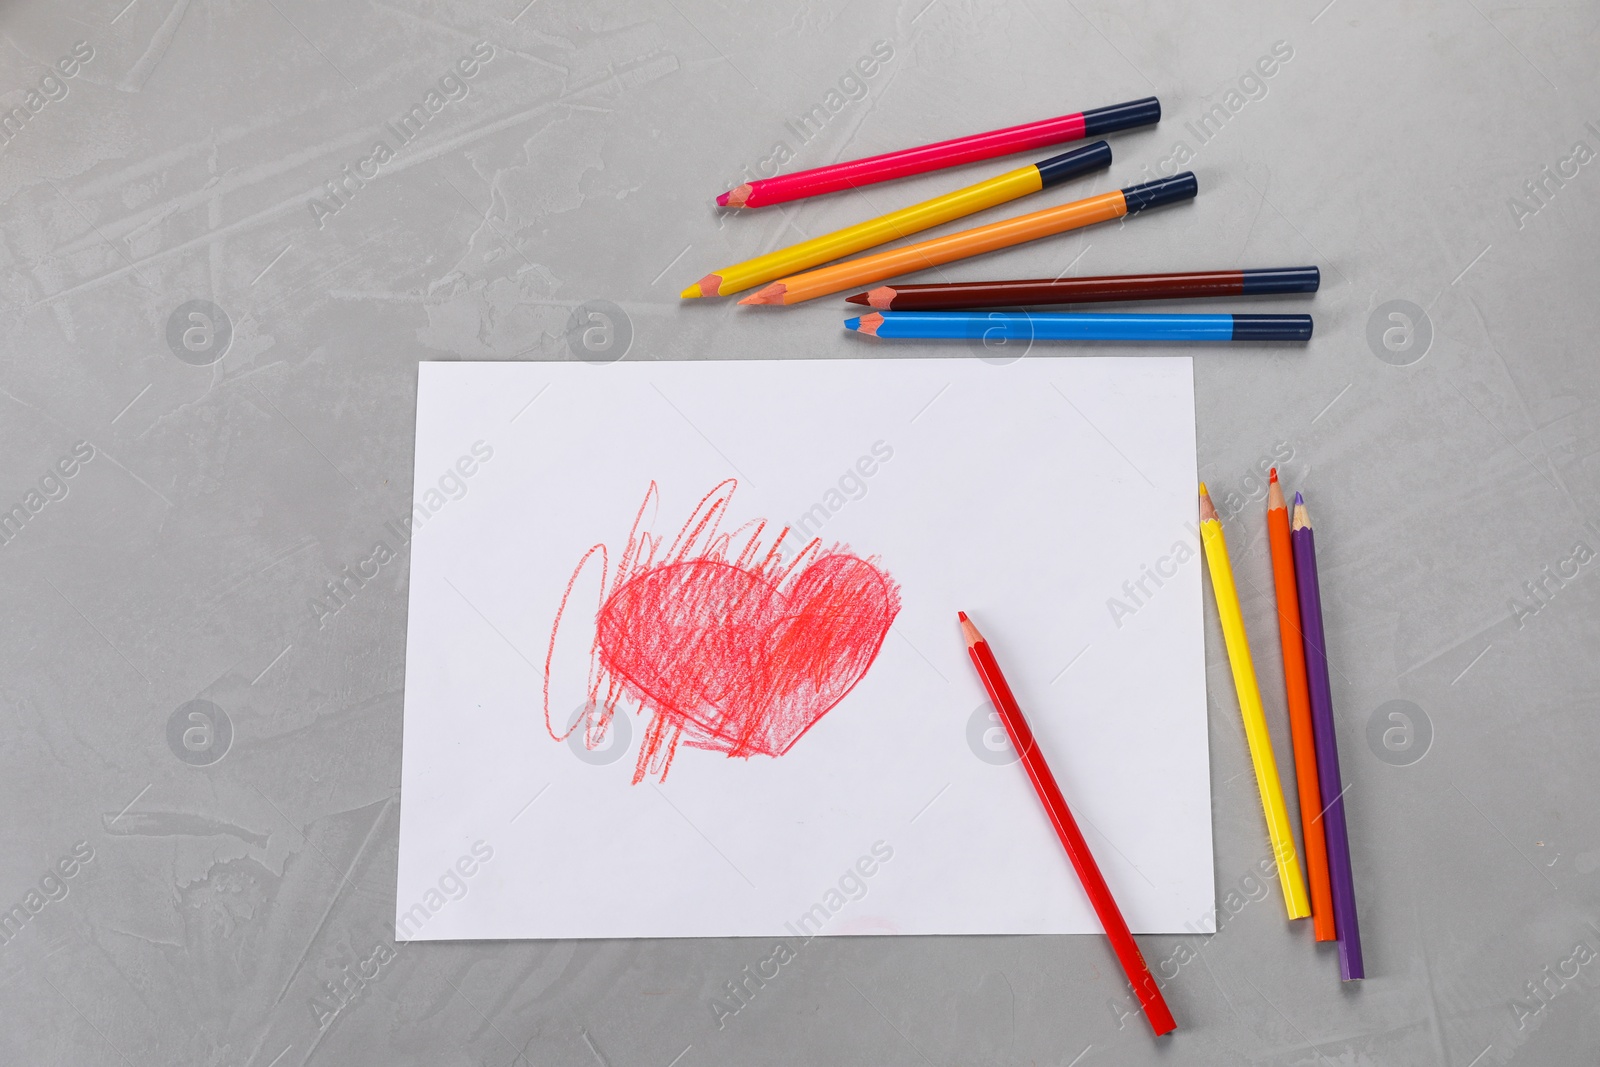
[731, 648]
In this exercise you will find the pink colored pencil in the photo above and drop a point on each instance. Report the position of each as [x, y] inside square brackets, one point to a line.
[909, 161]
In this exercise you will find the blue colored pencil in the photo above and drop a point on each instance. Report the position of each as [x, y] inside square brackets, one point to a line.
[994, 326]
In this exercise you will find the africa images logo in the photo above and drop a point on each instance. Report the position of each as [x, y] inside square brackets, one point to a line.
[51, 487]
[451, 87]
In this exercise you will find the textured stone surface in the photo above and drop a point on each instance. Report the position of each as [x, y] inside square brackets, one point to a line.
[1451, 462]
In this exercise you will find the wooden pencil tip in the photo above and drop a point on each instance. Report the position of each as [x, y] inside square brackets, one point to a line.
[710, 285]
[882, 297]
[969, 631]
[735, 197]
[772, 294]
[867, 324]
[1274, 492]
[692, 293]
[1208, 510]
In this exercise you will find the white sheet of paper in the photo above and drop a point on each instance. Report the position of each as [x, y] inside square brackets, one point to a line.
[1037, 496]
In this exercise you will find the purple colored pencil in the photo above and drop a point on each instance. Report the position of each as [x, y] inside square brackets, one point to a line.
[1321, 692]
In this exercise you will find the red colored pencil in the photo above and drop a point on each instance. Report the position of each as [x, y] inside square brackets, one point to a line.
[909, 161]
[1055, 805]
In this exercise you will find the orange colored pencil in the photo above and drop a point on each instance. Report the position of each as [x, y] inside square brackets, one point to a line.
[853, 273]
[1298, 695]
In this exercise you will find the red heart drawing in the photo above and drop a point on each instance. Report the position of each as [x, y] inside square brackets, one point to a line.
[748, 665]
[736, 655]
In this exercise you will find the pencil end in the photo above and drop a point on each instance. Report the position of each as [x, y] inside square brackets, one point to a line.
[1274, 492]
[1208, 510]
[881, 298]
[735, 197]
[969, 631]
[772, 294]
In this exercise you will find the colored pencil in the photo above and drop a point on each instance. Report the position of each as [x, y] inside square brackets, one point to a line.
[1072, 326]
[908, 161]
[1255, 720]
[1351, 967]
[902, 223]
[1072, 839]
[1298, 699]
[1002, 234]
[1032, 292]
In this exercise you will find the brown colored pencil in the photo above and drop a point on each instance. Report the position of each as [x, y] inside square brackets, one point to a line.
[1032, 292]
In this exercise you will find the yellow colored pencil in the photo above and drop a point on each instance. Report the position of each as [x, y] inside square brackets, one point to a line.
[1255, 720]
[1006, 233]
[908, 220]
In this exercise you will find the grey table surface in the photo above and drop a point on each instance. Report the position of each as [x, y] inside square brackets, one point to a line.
[215, 296]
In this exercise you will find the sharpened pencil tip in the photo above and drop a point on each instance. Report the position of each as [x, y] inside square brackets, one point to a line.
[772, 294]
[969, 631]
[859, 298]
[962, 616]
[722, 200]
[1274, 492]
[692, 293]
[1274, 475]
[735, 197]
[1299, 519]
[882, 297]
[852, 323]
[1208, 510]
[867, 324]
